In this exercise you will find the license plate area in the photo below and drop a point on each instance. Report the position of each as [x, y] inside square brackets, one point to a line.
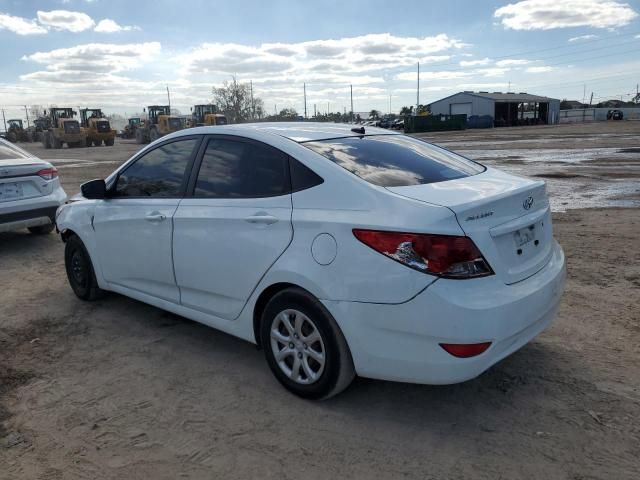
[525, 236]
[10, 191]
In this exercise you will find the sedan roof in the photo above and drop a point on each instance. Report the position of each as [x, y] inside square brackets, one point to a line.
[296, 131]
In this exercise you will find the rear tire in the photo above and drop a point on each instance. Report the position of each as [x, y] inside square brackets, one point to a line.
[139, 137]
[109, 142]
[88, 142]
[80, 272]
[153, 135]
[304, 346]
[42, 229]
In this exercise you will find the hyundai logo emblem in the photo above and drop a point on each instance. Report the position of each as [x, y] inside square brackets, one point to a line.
[528, 202]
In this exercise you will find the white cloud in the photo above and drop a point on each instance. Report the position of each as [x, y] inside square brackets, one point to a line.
[475, 63]
[540, 69]
[19, 25]
[320, 62]
[438, 75]
[479, 86]
[512, 62]
[580, 38]
[549, 14]
[66, 20]
[493, 72]
[110, 26]
[90, 61]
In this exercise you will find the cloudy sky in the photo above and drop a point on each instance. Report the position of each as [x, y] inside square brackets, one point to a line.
[121, 54]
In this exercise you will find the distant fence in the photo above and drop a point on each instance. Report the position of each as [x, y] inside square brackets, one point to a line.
[433, 123]
[579, 115]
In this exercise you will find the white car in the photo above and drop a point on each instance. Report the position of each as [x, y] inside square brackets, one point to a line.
[30, 191]
[338, 250]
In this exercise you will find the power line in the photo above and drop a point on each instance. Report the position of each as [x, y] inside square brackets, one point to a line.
[556, 47]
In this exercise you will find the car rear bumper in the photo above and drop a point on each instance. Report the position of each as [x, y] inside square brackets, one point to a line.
[31, 212]
[401, 342]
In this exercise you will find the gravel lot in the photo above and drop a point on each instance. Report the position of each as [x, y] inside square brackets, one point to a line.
[118, 389]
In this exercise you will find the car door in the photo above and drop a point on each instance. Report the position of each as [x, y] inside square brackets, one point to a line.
[134, 226]
[234, 226]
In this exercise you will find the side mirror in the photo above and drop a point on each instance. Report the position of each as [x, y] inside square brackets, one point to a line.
[94, 189]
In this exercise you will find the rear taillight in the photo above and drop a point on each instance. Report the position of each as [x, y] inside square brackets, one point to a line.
[48, 173]
[465, 350]
[443, 255]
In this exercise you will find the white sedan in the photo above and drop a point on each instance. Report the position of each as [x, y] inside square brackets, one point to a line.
[338, 250]
[30, 191]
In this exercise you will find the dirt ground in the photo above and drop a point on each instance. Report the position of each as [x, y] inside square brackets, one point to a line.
[117, 389]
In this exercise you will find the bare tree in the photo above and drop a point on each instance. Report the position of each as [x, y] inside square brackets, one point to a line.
[234, 100]
[36, 111]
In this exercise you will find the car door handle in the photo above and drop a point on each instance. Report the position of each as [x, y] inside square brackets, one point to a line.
[264, 219]
[155, 217]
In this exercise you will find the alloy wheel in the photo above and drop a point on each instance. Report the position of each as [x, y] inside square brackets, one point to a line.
[297, 346]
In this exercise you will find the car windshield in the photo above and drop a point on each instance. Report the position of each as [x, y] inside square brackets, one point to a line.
[8, 151]
[395, 160]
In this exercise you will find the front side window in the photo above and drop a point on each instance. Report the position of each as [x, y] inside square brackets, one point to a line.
[237, 169]
[158, 173]
[395, 160]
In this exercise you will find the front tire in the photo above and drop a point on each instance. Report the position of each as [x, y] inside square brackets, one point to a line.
[304, 346]
[42, 229]
[80, 272]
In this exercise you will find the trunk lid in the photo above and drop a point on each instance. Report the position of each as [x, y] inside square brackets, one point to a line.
[19, 179]
[507, 217]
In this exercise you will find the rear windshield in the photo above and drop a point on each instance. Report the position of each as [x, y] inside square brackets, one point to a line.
[395, 160]
[8, 151]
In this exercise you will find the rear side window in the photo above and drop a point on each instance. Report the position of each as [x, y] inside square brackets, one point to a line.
[302, 177]
[237, 169]
[158, 173]
[395, 160]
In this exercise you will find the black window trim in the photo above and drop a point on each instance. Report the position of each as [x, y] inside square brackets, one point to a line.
[188, 169]
[195, 170]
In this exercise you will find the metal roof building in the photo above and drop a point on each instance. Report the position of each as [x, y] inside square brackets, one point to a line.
[506, 109]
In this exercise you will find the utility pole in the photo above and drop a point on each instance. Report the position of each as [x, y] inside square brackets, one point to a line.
[314, 111]
[304, 91]
[584, 92]
[418, 91]
[327, 108]
[26, 112]
[591, 100]
[4, 120]
[352, 115]
[169, 99]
